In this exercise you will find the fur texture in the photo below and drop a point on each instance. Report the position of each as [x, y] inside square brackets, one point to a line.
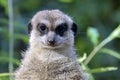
[45, 62]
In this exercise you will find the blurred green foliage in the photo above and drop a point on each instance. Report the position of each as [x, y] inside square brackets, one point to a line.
[94, 39]
[96, 19]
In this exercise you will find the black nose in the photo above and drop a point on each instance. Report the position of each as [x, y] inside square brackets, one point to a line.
[51, 42]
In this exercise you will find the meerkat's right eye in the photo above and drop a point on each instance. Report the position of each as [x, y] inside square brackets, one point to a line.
[42, 28]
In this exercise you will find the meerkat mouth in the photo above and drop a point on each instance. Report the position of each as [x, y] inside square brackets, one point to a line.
[56, 46]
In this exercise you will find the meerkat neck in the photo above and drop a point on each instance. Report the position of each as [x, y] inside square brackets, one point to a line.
[68, 52]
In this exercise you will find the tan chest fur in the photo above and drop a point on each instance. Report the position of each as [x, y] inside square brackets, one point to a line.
[50, 66]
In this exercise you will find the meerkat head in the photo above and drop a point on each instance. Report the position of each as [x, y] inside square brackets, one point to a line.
[51, 29]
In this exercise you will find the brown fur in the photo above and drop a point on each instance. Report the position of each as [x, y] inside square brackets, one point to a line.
[48, 63]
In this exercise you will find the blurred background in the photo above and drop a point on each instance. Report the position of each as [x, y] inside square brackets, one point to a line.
[96, 19]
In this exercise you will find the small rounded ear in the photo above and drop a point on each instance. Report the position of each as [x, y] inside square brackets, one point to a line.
[29, 27]
[74, 28]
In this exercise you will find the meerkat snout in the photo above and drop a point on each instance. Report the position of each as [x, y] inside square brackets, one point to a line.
[51, 39]
[52, 29]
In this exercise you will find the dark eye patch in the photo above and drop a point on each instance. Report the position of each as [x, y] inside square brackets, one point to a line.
[42, 28]
[29, 27]
[74, 28]
[61, 29]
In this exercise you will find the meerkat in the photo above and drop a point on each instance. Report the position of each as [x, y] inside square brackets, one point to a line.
[51, 54]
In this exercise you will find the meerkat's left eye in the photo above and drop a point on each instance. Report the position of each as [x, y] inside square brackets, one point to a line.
[42, 28]
[61, 29]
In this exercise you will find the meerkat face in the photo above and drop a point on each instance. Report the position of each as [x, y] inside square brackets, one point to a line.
[51, 29]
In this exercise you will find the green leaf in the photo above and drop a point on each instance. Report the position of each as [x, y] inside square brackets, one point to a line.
[4, 4]
[81, 59]
[66, 1]
[6, 74]
[103, 69]
[111, 52]
[93, 35]
[6, 59]
[21, 36]
[89, 75]
[115, 33]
